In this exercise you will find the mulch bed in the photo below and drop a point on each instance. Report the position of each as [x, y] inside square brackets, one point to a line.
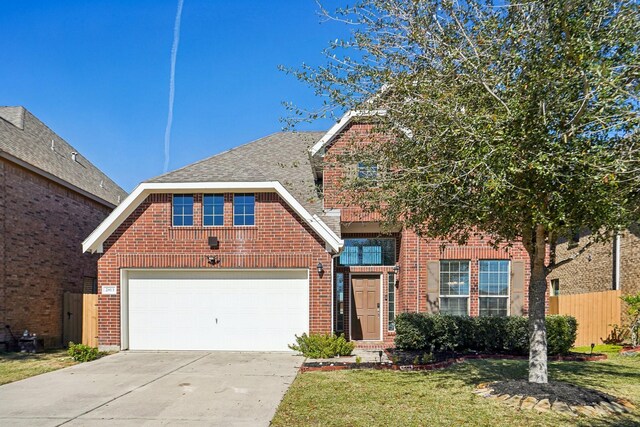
[630, 351]
[404, 361]
[339, 366]
[408, 357]
[554, 391]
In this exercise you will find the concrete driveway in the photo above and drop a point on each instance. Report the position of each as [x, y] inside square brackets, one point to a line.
[154, 389]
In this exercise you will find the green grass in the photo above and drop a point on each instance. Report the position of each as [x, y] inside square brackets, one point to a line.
[445, 398]
[18, 366]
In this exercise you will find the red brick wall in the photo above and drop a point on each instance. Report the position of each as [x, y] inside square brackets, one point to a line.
[42, 226]
[413, 255]
[334, 172]
[280, 239]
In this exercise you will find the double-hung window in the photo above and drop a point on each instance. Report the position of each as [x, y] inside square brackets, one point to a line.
[213, 210]
[244, 209]
[182, 210]
[493, 284]
[454, 287]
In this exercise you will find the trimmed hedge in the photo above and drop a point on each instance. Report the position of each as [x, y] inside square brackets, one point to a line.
[508, 335]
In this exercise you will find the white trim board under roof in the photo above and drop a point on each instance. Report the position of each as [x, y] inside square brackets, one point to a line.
[340, 126]
[94, 242]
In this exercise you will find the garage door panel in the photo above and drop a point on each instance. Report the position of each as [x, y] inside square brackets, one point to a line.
[222, 310]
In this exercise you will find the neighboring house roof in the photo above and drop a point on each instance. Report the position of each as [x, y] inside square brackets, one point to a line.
[27, 141]
[279, 162]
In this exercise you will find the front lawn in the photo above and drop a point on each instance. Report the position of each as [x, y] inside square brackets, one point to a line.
[445, 398]
[17, 366]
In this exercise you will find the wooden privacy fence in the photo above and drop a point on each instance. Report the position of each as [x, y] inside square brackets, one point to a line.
[595, 312]
[80, 324]
[90, 320]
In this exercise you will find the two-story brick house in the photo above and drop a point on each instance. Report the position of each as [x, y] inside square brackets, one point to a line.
[244, 249]
[51, 196]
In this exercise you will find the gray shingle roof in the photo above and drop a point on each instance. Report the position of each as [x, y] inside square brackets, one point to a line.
[24, 137]
[282, 157]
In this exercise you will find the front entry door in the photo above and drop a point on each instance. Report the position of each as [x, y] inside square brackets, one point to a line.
[365, 313]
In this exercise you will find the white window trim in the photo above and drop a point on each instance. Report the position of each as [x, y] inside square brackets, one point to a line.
[467, 296]
[223, 203]
[233, 211]
[193, 216]
[508, 296]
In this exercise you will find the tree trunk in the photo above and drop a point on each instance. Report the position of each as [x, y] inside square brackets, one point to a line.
[537, 327]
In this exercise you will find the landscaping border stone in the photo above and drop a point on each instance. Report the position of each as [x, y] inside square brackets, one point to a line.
[614, 406]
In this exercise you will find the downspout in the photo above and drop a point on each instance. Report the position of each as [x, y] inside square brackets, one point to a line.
[616, 262]
[417, 274]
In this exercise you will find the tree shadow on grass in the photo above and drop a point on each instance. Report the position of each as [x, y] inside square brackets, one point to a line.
[596, 375]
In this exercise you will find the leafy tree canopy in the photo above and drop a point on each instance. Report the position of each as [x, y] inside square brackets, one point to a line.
[516, 120]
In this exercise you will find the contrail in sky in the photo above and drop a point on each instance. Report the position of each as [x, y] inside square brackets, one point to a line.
[172, 84]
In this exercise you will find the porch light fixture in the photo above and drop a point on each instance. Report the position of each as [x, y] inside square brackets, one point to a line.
[396, 268]
[320, 268]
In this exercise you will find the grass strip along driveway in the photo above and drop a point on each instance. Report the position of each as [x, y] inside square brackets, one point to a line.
[18, 366]
[445, 398]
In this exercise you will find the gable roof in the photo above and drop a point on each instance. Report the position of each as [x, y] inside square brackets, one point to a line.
[27, 141]
[330, 135]
[279, 162]
[282, 157]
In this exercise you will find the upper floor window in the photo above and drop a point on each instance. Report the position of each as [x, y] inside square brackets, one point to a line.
[454, 287]
[244, 209]
[374, 251]
[555, 287]
[182, 210]
[213, 210]
[493, 286]
[367, 171]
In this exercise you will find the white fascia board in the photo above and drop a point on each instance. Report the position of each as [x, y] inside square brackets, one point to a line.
[94, 242]
[338, 127]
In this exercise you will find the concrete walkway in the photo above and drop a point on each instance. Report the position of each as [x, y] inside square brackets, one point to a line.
[154, 389]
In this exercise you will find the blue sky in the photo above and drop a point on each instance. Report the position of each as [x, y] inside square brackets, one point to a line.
[97, 73]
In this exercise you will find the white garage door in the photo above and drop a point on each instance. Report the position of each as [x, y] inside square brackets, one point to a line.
[216, 310]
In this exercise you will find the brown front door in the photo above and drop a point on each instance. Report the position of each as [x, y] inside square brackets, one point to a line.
[365, 313]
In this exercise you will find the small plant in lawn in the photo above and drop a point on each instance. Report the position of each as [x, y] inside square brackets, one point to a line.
[322, 346]
[83, 353]
[428, 358]
[617, 336]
